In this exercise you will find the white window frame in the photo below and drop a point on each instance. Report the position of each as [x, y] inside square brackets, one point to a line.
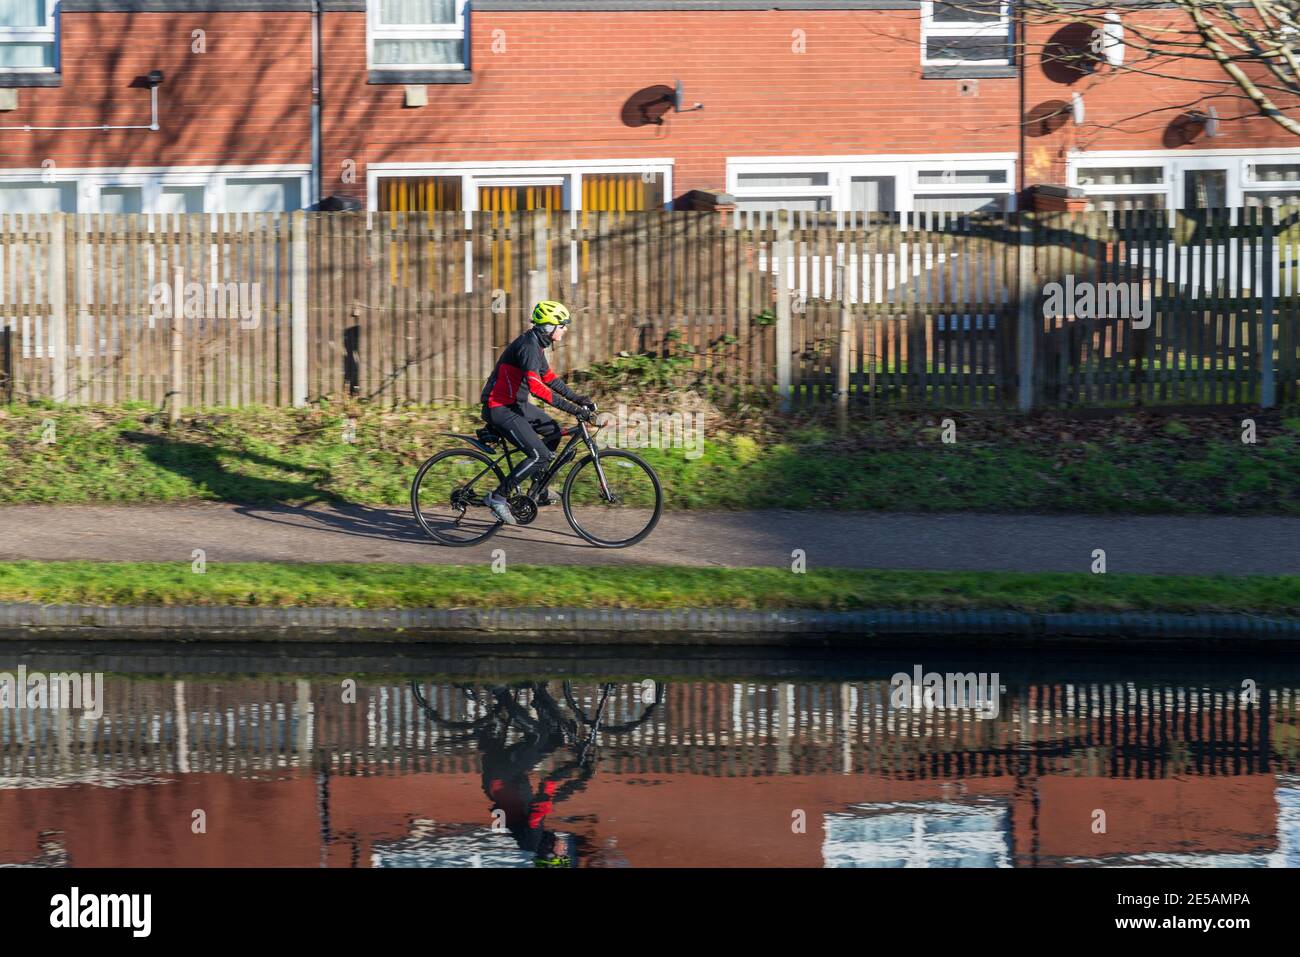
[377, 30]
[154, 199]
[540, 173]
[1174, 163]
[984, 28]
[905, 168]
[1251, 185]
[47, 34]
[90, 181]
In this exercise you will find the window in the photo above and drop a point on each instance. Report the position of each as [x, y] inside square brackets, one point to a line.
[180, 199]
[416, 34]
[1112, 202]
[873, 184]
[872, 194]
[1273, 172]
[965, 32]
[38, 197]
[1281, 182]
[1188, 179]
[961, 203]
[960, 177]
[947, 189]
[263, 195]
[1121, 176]
[808, 191]
[1275, 198]
[121, 199]
[128, 191]
[920, 834]
[1114, 188]
[622, 192]
[26, 36]
[599, 186]
[420, 193]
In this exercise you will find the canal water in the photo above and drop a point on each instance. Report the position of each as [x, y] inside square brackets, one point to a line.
[363, 758]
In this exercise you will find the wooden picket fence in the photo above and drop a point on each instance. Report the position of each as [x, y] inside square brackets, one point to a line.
[940, 309]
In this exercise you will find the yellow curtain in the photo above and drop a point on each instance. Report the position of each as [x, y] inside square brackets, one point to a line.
[501, 201]
[414, 194]
[616, 193]
[418, 194]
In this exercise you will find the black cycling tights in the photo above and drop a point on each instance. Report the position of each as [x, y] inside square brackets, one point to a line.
[536, 434]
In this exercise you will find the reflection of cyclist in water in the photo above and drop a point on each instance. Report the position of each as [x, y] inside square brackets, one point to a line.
[545, 728]
[506, 782]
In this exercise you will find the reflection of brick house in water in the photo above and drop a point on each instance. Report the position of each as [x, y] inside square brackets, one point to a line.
[713, 780]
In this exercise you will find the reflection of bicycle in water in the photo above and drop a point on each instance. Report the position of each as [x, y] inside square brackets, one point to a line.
[518, 726]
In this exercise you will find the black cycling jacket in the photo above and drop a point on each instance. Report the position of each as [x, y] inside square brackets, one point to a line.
[522, 370]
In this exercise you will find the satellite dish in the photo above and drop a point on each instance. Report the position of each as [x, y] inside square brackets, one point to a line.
[1076, 109]
[1108, 40]
[1207, 120]
[1211, 122]
[679, 100]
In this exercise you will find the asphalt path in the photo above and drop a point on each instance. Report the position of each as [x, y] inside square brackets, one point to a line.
[956, 542]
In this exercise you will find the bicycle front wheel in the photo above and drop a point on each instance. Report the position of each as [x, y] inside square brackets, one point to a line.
[613, 499]
[447, 497]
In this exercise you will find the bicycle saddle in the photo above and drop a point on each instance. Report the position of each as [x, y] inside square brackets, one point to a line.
[488, 435]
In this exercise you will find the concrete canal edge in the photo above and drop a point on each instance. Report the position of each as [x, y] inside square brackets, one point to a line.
[613, 626]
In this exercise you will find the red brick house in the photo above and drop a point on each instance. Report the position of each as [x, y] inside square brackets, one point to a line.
[415, 104]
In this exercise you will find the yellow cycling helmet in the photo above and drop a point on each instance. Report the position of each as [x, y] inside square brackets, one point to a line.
[548, 312]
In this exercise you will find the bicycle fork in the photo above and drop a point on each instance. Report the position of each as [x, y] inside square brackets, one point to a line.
[595, 460]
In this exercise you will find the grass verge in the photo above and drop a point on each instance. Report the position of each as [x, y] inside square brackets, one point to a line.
[406, 586]
[902, 461]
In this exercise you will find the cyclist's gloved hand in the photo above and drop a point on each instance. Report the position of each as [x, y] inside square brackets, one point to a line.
[586, 415]
[585, 402]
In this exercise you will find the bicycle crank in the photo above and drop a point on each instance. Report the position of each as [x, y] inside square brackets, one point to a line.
[524, 509]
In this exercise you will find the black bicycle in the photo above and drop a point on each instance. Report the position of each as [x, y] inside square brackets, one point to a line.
[611, 497]
[604, 708]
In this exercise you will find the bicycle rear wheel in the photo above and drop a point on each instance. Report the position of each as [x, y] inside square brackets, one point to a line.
[613, 499]
[447, 497]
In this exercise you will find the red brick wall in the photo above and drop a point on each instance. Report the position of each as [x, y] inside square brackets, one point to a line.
[246, 100]
[1127, 110]
[557, 91]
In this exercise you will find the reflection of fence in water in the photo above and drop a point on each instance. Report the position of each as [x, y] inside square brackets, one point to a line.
[272, 728]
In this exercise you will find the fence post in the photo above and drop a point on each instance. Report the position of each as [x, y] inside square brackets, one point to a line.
[1267, 383]
[538, 285]
[177, 384]
[784, 252]
[58, 328]
[1026, 298]
[298, 310]
[846, 338]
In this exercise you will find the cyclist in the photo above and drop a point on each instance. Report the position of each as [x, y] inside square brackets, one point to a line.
[520, 373]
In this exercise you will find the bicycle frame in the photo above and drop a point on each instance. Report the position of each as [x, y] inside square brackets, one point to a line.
[579, 436]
